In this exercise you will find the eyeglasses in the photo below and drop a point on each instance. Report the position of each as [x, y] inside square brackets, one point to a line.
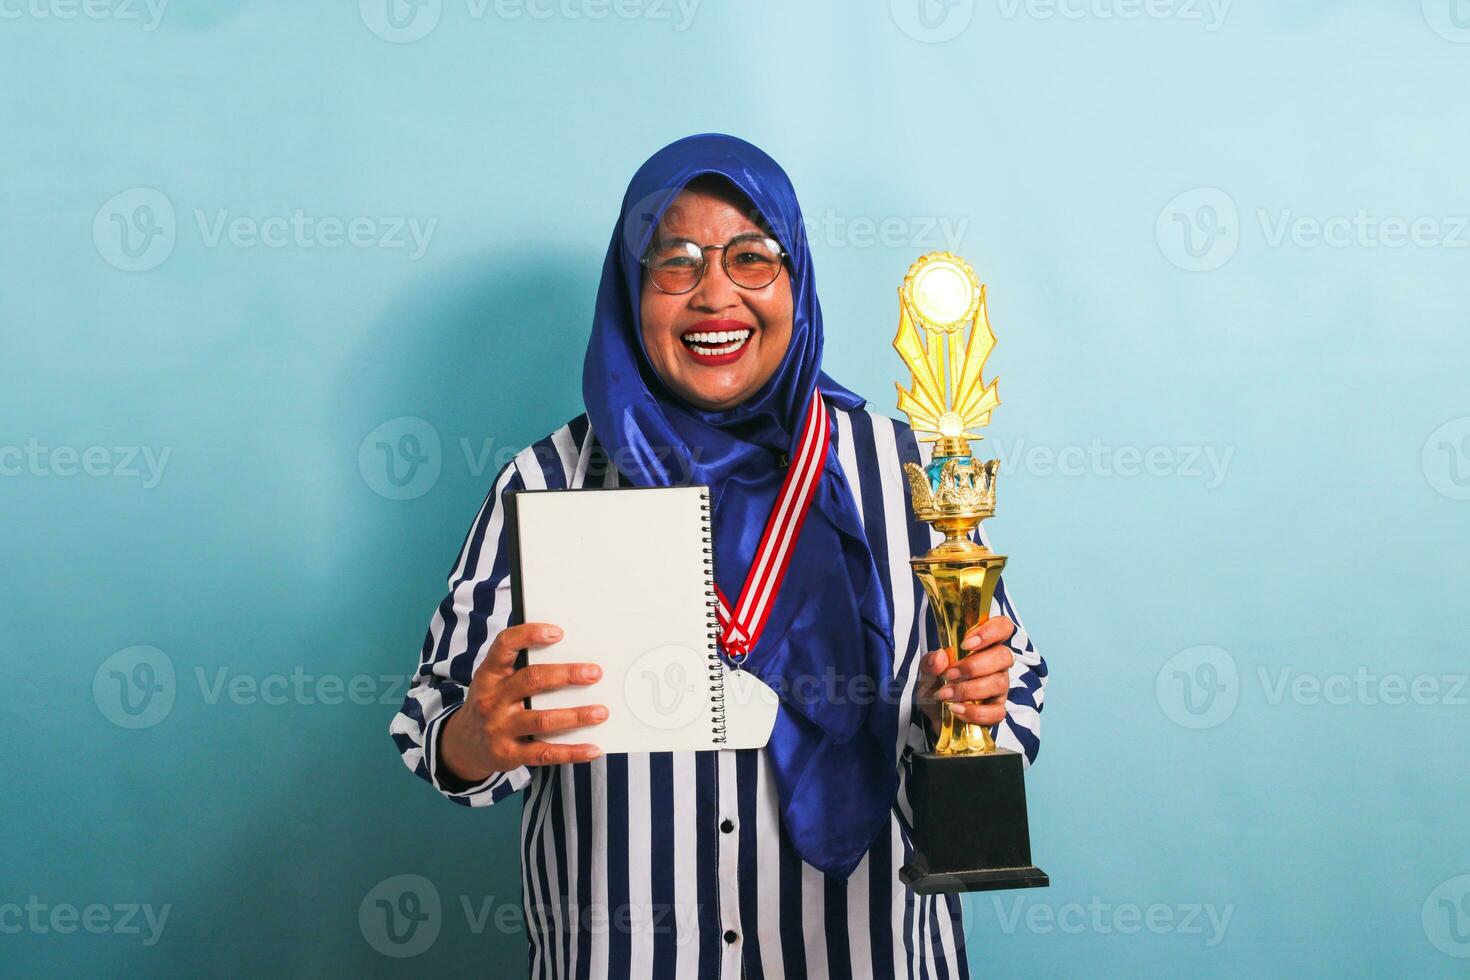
[676, 265]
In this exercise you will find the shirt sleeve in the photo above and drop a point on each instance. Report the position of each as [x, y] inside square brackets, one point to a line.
[475, 610]
[1021, 729]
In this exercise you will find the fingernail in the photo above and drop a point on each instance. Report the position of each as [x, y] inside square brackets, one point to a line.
[591, 672]
[552, 632]
[598, 713]
[944, 694]
[953, 674]
[958, 709]
[593, 753]
[971, 643]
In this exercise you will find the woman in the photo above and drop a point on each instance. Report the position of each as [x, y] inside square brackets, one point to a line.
[704, 366]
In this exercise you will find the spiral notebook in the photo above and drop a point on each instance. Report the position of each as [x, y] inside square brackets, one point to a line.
[627, 573]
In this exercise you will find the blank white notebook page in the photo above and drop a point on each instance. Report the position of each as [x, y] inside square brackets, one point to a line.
[624, 574]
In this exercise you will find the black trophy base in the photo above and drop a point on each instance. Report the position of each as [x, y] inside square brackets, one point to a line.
[970, 829]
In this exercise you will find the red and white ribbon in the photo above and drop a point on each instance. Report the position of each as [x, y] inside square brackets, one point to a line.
[740, 630]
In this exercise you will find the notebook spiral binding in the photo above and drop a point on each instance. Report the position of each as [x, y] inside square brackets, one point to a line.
[718, 726]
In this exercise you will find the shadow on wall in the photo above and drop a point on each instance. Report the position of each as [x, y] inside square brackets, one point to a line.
[496, 337]
[481, 358]
[490, 348]
[490, 352]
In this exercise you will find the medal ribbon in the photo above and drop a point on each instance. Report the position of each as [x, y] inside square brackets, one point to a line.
[740, 629]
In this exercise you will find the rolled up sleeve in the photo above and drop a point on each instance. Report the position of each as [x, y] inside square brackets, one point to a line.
[475, 609]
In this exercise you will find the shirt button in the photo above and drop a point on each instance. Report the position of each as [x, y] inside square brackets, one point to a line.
[730, 936]
[726, 826]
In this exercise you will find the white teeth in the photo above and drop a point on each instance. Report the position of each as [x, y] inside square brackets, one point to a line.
[714, 343]
[717, 337]
[712, 351]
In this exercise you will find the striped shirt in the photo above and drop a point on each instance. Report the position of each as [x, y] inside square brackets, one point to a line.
[676, 864]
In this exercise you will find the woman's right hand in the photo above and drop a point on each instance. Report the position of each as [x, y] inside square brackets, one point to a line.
[492, 732]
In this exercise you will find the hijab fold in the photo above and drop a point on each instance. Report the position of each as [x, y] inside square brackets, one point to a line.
[828, 642]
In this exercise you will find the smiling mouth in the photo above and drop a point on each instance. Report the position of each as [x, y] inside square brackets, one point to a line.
[726, 343]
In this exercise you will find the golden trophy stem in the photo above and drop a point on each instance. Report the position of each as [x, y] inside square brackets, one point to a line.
[960, 578]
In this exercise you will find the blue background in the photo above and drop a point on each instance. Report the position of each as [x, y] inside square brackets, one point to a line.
[1186, 611]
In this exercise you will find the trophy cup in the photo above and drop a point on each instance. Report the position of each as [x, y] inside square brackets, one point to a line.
[968, 795]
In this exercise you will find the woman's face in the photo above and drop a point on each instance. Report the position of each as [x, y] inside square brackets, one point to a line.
[715, 345]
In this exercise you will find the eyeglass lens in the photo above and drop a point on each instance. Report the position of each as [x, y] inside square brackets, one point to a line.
[676, 265]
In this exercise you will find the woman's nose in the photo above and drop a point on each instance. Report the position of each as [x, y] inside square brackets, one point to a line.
[715, 291]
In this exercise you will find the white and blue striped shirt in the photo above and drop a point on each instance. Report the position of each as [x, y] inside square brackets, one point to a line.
[675, 864]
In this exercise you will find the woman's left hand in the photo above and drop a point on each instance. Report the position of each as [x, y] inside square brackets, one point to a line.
[982, 676]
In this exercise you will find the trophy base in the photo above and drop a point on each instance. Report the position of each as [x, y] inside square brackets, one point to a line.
[948, 883]
[970, 829]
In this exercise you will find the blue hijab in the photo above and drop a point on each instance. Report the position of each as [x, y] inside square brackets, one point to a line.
[829, 638]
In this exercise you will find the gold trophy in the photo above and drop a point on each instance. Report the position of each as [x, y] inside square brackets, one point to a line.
[968, 795]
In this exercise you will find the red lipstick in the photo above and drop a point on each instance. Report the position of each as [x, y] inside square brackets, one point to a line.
[714, 343]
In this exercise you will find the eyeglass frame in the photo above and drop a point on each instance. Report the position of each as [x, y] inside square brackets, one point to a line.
[781, 254]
